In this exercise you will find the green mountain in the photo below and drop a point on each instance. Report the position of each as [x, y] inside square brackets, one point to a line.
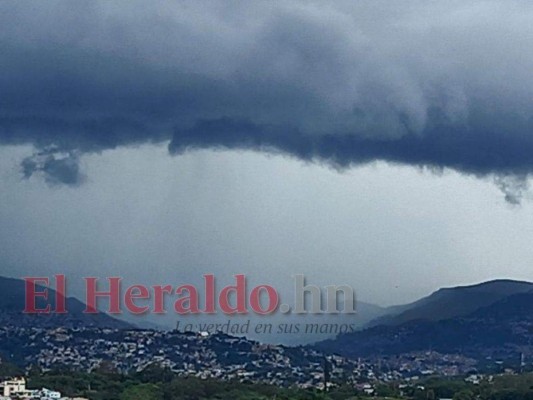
[452, 302]
[487, 322]
[12, 302]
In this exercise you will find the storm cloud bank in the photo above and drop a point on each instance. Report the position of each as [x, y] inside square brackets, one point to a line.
[443, 85]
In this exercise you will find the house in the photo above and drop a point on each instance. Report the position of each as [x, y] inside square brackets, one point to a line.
[16, 387]
[13, 387]
[474, 379]
[49, 394]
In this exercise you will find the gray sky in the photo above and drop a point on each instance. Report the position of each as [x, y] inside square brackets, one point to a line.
[364, 142]
[394, 233]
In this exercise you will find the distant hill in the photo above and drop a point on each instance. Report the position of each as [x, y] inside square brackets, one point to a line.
[284, 325]
[443, 304]
[452, 302]
[365, 312]
[12, 302]
[501, 330]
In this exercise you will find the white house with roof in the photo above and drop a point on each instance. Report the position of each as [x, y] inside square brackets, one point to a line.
[13, 387]
[16, 387]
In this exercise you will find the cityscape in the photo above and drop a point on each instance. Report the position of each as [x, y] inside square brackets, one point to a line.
[266, 200]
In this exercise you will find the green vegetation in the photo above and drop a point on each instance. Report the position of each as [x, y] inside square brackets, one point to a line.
[156, 383]
[501, 387]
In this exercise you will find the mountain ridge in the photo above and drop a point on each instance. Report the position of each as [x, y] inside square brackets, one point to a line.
[12, 303]
[500, 330]
[452, 301]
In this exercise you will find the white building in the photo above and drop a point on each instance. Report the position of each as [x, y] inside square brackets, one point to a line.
[16, 387]
[13, 387]
[49, 394]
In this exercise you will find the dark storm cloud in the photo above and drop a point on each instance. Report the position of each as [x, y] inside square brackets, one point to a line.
[57, 168]
[421, 83]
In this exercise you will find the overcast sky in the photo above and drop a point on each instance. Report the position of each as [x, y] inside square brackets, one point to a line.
[383, 144]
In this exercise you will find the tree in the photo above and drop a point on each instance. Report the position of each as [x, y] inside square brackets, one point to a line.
[143, 391]
[463, 395]
[8, 370]
[154, 373]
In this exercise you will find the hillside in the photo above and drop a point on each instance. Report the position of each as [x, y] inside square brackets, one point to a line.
[502, 330]
[452, 302]
[12, 306]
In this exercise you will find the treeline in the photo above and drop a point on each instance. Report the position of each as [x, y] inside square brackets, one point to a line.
[500, 387]
[156, 383]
